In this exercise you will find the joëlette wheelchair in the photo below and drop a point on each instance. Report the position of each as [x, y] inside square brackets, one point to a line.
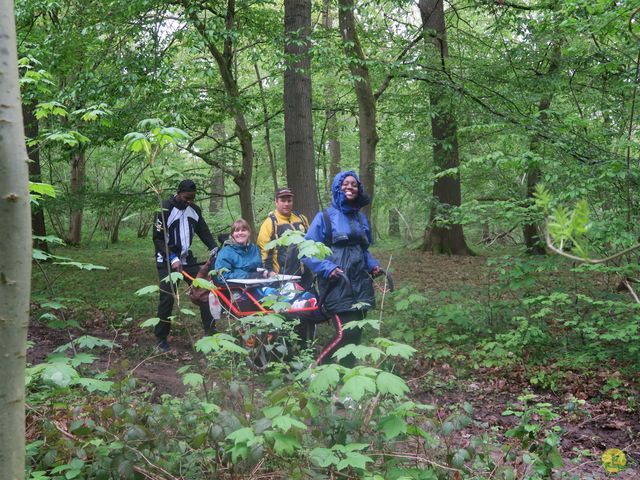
[241, 298]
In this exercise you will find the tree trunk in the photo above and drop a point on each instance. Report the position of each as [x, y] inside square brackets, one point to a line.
[394, 223]
[217, 190]
[531, 231]
[216, 202]
[446, 189]
[76, 190]
[333, 136]
[298, 121]
[15, 245]
[31, 130]
[225, 61]
[244, 179]
[331, 115]
[267, 131]
[366, 101]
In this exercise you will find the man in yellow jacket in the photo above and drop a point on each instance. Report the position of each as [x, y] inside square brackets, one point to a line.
[283, 259]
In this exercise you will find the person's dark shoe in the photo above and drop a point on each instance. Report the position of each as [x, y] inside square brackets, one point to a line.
[210, 330]
[163, 346]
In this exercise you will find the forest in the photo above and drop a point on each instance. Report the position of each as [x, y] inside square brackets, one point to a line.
[498, 144]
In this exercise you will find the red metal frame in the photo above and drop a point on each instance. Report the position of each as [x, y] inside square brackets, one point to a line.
[232, 307]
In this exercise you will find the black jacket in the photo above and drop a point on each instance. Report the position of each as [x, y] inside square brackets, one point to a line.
[174, 228]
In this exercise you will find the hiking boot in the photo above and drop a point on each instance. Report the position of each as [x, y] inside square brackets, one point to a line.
[163, 346]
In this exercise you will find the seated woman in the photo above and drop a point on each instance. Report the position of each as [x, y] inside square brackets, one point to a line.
[239, 257]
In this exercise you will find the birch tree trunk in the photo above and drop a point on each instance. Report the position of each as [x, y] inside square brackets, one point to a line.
[15, 245]
[298, 121]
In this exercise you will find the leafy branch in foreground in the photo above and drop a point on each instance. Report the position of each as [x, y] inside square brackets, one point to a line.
[571, 229]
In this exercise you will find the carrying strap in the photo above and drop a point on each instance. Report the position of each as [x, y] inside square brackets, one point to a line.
[274, 223]
[274, 226]
[303, 219]
[328, 233]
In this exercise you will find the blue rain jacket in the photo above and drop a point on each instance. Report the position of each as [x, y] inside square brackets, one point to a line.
[350, 240]
[241, 260]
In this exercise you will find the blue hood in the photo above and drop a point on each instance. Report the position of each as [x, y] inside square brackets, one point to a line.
[340, 201]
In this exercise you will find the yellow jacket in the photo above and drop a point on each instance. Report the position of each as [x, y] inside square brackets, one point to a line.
[281, 259]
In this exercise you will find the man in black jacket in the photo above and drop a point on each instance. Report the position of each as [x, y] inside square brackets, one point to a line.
[173, 234]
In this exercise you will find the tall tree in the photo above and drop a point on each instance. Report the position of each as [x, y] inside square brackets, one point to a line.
[31, 129]
[224, 56]
[331, 113]
[298, 120]
[368, 132]
[531, 231]
[15, 244]
[446, 188]
[76, 190]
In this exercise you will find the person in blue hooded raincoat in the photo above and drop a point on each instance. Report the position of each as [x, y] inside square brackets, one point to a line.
[344, 229]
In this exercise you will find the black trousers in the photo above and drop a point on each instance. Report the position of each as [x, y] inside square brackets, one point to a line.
[349, 336]
[165, 304]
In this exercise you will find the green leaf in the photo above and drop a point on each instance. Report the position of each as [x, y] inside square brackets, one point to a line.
[91, 342]
[323, 457]
[202, 283]
[150, 322]
[147, 290]
[392, 384]
[461, 456]
[357, 386]
[392, 426]
[556, 458]
[243, 435]
[354, 460]
[81, 358]
[284, 444]
[42, 189]
[59, 375]
[361, 352]
[286, 422]
[273, 411]
[93, 384]
[193, 379]
[326, 377]
[400, 350]
[219, 342]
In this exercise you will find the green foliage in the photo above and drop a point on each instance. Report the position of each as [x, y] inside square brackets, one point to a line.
[541, 445]
[306, 248]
